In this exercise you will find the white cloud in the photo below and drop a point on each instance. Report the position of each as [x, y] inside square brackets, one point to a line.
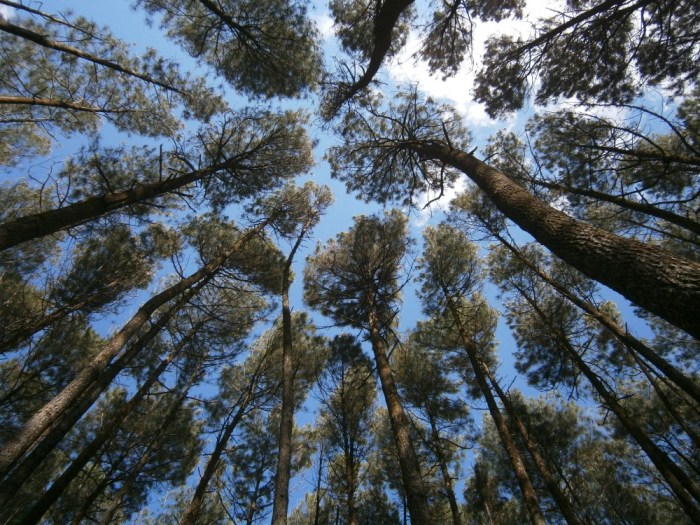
[6, 12]
[324, 23]
[457, 90]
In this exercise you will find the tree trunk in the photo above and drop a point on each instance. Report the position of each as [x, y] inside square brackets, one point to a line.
[416, 496]
[190, 516]
[560, 498]
[445, 471]
[659, 281]
[22, 229]
[628, 340]
[529, 495]
[45, 417]
[24, 468]
[42, 40]
[683, 487]
[280, 502]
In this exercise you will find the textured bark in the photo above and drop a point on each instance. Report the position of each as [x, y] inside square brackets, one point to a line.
[683, 487]
[22, 229]
[560, 498]
[45, 417]
[480, 373]
[104, 433]
[416, 496]
[659, 281]
[51, 439]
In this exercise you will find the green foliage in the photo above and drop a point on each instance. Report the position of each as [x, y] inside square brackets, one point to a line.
[374, 159]
[594, 60]
[78, 94]
[449, 34]
[264, 49]
[359, 271]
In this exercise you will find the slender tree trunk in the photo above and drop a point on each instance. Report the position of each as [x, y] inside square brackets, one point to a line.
[445, 471]
[529, 495]
[104, 433]
[22, 229]
[317, 505]
[45, 417]
[42, 40]
[659, 281]
[190, 516]
[683, 487]
[560, 498]
[686, 383]
[280, 502]
[416, 495]
[648, 209]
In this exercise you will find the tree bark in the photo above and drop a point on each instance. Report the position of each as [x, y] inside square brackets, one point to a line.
[22, 229]
[104, 433]
[687, 384]
[659, 281]
[280, 502]
[50, 439]
[445, 471]
[416, 495]
[480, 373]
[43, 41]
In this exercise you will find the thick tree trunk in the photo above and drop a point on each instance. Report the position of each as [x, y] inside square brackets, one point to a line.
[416, 495]
[445, 471]
[560, 498]
[657, 280]
[683, 487]
[480, 373]
[50, 439]
[50, 413]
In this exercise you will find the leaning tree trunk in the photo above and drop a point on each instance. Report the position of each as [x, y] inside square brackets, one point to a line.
[52, 411]
[683, 486]
[22, 229]
[416, 496]
[659, 281]
[105, 432]
[193, 509]
[687, 384]
[529, 495]
[560, 498]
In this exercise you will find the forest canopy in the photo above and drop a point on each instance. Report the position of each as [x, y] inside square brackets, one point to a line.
[364, 261]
